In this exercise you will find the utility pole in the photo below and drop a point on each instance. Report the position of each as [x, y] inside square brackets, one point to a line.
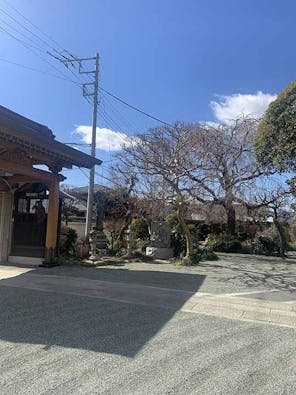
[90, 196]
[73, 61]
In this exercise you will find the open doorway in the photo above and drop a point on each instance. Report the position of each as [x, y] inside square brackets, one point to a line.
[29, 220]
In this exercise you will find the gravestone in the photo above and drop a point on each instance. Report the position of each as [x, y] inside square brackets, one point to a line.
[159, 247]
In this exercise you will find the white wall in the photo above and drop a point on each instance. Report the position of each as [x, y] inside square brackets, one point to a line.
[79, 227]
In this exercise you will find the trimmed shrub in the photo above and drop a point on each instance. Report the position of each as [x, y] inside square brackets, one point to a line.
[268, 242]
[223, 243]
[178, 243]
[139, 229]
[247, 246]
[266, 245]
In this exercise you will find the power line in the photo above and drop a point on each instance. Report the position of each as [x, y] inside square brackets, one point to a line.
[28, 46]
[101, 176]
[83, 172]
[106, 100]
[72, 57]
[37, 70]
[23, 26]
[36, 46]
[31, 23]
[107, 117]
[77, 84]
[37, 28]
[65, 64]
[135, 108]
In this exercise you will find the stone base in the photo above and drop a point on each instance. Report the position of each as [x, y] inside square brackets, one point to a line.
[97, 255]
[102, 244]
[52, 263]
[94, 257]
[159, 252]
[25, 260]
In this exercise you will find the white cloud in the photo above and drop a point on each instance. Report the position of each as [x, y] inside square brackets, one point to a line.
[107, 139]
[227, 108]
[212, 124]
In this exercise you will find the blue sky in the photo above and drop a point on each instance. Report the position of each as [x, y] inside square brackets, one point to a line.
[171, 58]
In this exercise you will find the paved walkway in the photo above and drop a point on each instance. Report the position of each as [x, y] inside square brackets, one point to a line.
[242, 306]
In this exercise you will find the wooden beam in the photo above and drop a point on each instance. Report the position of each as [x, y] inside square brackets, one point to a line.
[35, 157]
[12, 167]
[51, 148]
[17, 179]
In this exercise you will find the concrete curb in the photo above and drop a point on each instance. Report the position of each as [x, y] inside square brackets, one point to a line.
[243, 309]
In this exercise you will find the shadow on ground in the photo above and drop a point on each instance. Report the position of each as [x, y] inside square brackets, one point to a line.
[62, 319]
[153, 275]
[253, 272]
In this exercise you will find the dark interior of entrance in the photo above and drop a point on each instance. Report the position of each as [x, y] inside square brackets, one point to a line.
[29, 220]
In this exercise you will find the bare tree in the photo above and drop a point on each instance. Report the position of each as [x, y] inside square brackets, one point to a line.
[276, 198]
[165, 153]
[207, 163]
[122, 197]
[68, 203]
[229, 165]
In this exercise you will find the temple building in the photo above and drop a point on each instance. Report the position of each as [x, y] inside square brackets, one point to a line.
[29, 195]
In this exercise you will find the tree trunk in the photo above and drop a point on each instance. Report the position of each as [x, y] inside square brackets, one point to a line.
[231, 219]
[126, 223]
[280, 232]
[186, 232]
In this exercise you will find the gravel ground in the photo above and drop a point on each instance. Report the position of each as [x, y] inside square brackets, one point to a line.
[64, 344]
[57, 343]
[232, 273]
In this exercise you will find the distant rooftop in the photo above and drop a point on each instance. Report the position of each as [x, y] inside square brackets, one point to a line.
[84, 190]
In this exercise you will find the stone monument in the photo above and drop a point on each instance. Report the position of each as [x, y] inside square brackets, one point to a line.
[128, 239]
[98, 243]
[160, 240]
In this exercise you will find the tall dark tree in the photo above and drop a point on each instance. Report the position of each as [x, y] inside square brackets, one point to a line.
[275, 142]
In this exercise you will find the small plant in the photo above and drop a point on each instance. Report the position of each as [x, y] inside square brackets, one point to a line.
[68, 243]
[291, 246]
[82, 248]
[139, 255]
[199, 255]
[115, 249]
[195, 258]
[209, 256]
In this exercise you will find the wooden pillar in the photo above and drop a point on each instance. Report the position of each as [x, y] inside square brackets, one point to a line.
[52, 223]
[6, 202]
